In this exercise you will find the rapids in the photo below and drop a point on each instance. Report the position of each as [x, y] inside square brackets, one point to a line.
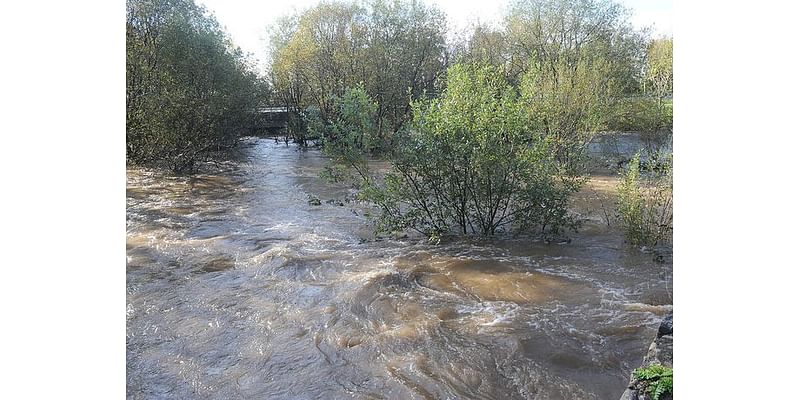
[237, 287]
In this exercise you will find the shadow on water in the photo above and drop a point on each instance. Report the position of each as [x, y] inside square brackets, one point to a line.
[237, 287]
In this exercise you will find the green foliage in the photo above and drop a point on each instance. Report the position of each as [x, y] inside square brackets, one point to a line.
[484, 44]
[469, 164]
[659, 67]
[355, 120]
[568, 102]
[657, 378]
[189, 92]
[316, 127]
[565, 31]
[644, 200]
[351, 134]
[395, 49]
[648, 116]
[644, 114]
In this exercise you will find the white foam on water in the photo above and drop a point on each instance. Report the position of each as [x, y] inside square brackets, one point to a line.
[490, 313]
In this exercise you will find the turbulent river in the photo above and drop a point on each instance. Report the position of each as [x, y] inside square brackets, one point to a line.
[237, 287]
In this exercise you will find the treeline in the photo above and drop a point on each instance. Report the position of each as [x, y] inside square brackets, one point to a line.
[396, 51]
[190, 92]
[486, 133]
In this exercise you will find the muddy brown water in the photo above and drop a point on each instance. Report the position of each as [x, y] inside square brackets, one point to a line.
[238, 288]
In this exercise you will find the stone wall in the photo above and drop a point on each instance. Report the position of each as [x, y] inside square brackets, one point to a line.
[660, 352]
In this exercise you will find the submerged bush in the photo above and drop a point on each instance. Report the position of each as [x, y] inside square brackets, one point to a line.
[644, 200]
[470, 163]
[651, 117]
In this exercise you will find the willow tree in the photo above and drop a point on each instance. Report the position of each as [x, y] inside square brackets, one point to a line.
[569, 102]
[470, 165]
[190, 93]
[396, 50]
[567, 32]
[484, 44]
[659, 67]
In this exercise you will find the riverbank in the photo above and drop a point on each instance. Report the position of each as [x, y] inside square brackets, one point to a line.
[659, 353]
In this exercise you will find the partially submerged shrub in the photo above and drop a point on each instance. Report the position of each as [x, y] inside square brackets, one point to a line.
[471, 164]
[315, 125]
[644, 200]
[640, 115]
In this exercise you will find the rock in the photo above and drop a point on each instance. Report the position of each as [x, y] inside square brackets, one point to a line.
[666, 326]
[659, 352]
[397, 235]
[314, 201]
[218, 264]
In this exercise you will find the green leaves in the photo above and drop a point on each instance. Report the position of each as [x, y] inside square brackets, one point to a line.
[394, 49]
[657, 378]
[189, 92]
[568, 101]
[470, 163]
[659, 67]
[644, 201]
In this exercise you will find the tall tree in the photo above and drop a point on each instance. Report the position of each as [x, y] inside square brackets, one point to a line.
[555, 31]
[396, 50]
[659, 67]
[189, 91]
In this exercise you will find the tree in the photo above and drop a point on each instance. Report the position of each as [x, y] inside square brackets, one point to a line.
[650, 115]
[484, 45]
[394, 49]
[659, 67]
[470, 164]
[556, 32]
[573, 62]
[352, 133]
[569, 102]
[189, 92]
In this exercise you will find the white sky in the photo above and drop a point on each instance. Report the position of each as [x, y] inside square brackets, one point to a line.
[247, 20]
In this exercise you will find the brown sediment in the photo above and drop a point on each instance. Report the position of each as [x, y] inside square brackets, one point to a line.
[237, 287]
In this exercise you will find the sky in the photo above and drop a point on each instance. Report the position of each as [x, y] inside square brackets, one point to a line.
[247, 20]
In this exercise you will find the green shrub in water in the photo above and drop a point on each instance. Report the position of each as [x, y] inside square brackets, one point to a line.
[644, 200]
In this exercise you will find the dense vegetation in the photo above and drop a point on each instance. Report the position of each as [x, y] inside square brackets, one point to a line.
[644, 200]
[189, 92]
[485, 134]
[395, 51]
[588, 57]
[553, 32]
[470, 162]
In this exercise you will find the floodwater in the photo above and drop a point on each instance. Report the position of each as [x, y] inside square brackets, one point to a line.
[238, 288]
